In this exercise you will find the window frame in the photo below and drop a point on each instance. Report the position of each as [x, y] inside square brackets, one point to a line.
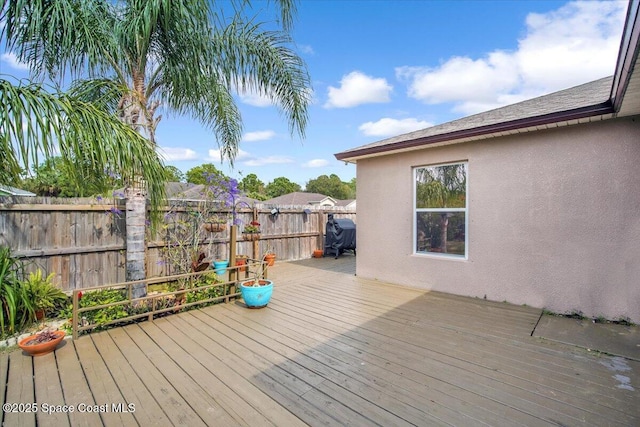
[417, 210]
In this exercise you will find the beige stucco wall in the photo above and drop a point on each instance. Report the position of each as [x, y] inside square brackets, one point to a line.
[554, 220]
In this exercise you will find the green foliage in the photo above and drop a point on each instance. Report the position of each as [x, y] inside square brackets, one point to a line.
[441, 186]
[199, 174]
[59, 177]
[37, 121]
[42, 292]
[173, 174]
[184, 55]
[200, 295]
[331, 186]
[17, 308]
[250, 184]
[281, 186]
[101, 316]
[258, 196]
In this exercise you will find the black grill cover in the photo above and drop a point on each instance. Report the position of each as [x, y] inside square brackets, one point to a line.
[341, 236]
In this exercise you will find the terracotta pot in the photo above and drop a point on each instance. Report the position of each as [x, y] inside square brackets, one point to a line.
[42, 348]
[318, 253]
[241, 262]
[270, 259]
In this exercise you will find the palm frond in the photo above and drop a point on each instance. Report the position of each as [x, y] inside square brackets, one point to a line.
[37, 123]
[56, 36]
[261, 61]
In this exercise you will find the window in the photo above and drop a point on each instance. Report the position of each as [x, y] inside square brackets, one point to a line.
[441, 210]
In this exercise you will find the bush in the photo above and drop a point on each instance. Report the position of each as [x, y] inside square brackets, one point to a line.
[101, 316]
[17, 307]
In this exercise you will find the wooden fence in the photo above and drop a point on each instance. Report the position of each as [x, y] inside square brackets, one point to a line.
[82, 240]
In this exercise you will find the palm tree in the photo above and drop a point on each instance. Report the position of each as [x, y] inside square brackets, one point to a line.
[38, 122]
[138, 56]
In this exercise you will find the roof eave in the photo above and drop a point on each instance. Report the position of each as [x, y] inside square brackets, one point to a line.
[629, 50]
[547, 119]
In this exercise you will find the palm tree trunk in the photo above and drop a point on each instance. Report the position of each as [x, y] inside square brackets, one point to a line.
[136, 206]
[133, 113]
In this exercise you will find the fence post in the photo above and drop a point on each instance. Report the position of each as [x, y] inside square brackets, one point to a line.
[233, 272]
[320, 231]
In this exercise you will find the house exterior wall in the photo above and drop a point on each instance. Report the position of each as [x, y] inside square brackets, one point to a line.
[553, 220]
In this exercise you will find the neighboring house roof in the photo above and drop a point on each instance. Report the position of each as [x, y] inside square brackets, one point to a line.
[190, 191]
[598, 100]
[184, 190]
[301, 198]
[187, 191]
[6, 190]
[348, 203]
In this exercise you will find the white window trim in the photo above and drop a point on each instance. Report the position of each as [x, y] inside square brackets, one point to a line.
[465, 210]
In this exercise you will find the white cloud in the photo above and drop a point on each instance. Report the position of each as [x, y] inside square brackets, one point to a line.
[307, 49]
[572, 45]
[255, 99]
[390, 127]
[170, 154]
[315, 163]
[12, 60]
[268, 160]
[262, 135]
[357, 88]
[216, 156]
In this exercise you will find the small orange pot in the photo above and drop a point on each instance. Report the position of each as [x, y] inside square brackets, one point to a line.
[241, 263]
[318, 253]
[270, 259]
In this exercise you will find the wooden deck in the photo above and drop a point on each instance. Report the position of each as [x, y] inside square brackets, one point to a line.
[330, 349]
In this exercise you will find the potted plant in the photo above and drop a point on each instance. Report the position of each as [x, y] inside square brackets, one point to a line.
[256, 292]
[251, 231]
[215, 224]
[220, 266]
[269, 257]
[41, 343]
[241, 262]
[198, 262]
[44, 295]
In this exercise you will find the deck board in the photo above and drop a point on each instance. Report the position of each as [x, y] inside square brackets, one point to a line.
[48, 389]
[174, 406]
[4, 371]
[332, 349]
[207, 409]
[145, 409]
[20, 377]
[104, 389]
[75, 387]
[481, 356]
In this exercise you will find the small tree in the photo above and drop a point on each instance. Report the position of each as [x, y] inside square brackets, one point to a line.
[329, 186]
[184, 224]
[281, 186]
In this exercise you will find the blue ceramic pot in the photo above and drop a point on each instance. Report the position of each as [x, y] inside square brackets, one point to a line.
[256, 296]
[220, 266]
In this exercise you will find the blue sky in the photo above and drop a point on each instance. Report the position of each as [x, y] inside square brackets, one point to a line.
[383, 68]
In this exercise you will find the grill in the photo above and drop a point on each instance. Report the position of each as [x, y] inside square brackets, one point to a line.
[340, 236]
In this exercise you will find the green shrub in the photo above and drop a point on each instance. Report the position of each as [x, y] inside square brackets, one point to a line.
[43, 294]
[17, 307]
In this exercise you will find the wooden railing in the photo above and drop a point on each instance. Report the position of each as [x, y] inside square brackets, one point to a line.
[156, 304]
